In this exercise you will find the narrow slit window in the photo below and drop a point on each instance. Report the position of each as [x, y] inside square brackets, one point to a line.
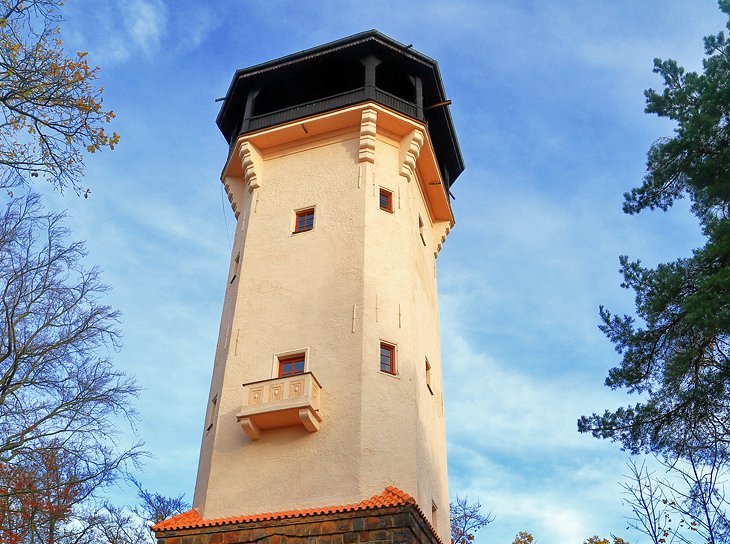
[304, 220]
[291, 365]
[428, 377]
[236, 264]
[420, 230]
[387, 358]
[212, 411]
[386, 200]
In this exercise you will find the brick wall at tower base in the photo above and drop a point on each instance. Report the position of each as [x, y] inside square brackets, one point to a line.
[393, 525]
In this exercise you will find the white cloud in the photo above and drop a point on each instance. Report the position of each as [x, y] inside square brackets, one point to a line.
[193, 25]
[559, 499]
[145, 21]
[115, 32]
[507, 409]
[511, 417]
[547, 105]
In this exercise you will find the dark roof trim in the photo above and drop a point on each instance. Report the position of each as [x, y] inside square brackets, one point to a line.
[337, 45]
[371, 36]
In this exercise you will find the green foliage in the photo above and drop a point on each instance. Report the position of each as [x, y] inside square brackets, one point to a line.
[676, 353]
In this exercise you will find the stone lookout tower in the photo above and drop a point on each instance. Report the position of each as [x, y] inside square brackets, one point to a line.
[325, 418]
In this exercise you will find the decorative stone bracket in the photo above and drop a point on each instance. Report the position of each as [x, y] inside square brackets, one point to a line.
[252, 164]
[439, 245]
[252, 167]
[368, 131]
[410, 149]
[234, 191]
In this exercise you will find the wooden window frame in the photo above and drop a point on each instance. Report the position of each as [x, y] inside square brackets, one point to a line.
[292, 358]
[391, 368]
[298, 214]
[389, 194]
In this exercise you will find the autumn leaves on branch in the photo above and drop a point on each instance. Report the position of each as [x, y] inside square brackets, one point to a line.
[52, 109]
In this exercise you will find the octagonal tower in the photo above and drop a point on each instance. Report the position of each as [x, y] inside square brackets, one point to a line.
[327, 384]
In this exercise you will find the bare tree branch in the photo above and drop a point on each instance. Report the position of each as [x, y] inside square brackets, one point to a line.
[50, 106]
[466, 519]
[61, 400]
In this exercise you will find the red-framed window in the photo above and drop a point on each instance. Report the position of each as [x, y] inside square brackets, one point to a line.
[387, 358]
[304, 220]
[386, 200]
[291, 365]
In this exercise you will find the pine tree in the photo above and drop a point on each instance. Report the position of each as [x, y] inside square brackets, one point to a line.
[675, 352]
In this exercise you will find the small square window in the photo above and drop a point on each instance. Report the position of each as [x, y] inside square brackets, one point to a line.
[386, 200]
[291, 365]
[387, 358]
[304, 220]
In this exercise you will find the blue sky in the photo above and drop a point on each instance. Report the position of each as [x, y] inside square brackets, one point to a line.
[548, 106]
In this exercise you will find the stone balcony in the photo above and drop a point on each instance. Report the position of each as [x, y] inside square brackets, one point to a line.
[280, 402]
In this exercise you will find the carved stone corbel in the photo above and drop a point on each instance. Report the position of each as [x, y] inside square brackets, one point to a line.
[234, 191]
[251, 162]
[368, 130]
[410, 149]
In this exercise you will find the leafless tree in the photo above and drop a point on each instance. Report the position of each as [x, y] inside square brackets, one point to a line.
[645, 496]
[61, 401]
[154, 507]
[687, 505]
[132, 526]
[466, 519]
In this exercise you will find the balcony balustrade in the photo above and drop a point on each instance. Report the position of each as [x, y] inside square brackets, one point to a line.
[280, 402]
[299, 111]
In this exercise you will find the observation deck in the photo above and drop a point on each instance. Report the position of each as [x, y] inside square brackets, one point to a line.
[365, 67]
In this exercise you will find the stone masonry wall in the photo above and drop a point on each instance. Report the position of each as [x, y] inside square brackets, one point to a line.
[393, 525]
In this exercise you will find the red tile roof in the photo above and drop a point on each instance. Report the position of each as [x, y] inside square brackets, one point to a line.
[191, 519]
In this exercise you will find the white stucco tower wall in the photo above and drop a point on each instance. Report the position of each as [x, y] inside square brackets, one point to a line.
[363, 277]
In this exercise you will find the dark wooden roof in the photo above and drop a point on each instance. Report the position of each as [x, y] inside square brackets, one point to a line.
[336, 75]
